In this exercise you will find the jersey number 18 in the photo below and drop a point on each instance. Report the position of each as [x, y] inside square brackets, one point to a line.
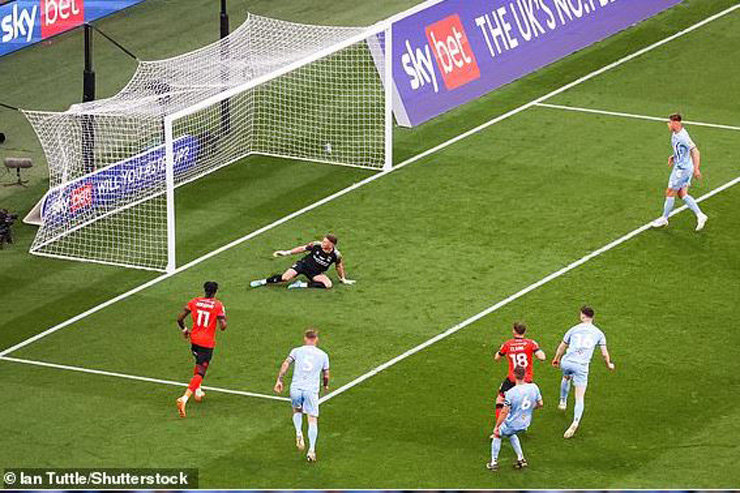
[519, 359]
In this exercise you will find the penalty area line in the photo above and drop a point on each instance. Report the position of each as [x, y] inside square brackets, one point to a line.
[634, 116]
[370, 179]
[139, 378]
[515, 296]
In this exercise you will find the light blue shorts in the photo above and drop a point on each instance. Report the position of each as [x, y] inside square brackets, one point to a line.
[577, 371]
[680, 178]
[305, 400]
[506, 431]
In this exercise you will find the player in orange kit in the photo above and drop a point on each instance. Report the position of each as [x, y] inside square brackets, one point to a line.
[520, 351]
[206, 313]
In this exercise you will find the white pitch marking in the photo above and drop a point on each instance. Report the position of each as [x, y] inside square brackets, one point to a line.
[632, 115]
[514, 297]
[370, 179]
[139, 378]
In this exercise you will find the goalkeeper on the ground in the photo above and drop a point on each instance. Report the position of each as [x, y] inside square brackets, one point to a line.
[320, 256]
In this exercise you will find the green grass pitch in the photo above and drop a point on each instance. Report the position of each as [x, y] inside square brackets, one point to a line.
[430, 245]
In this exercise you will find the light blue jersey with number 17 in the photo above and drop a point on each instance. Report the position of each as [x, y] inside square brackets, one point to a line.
[682, 145]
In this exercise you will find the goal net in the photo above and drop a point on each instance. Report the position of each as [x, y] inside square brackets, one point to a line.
[274, 88]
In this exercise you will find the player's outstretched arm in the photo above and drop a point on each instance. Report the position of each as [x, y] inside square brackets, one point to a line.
[540, 354]
[559, 354]
[343, 274]
[607, 358]
[696, 158]
[181, 322]
[293, 251]
[325, 377]
[283, 370]
[501, 418]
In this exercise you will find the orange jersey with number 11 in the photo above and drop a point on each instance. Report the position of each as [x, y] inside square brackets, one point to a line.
[520, 352]
[205, 313]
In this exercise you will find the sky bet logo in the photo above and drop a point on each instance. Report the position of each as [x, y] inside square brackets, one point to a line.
[454, 56]
[56, 16]
[19, 23]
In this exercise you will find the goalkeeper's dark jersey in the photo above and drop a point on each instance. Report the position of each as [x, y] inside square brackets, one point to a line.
[319, 260]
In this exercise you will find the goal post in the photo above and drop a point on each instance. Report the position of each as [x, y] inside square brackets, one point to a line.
[306, 93]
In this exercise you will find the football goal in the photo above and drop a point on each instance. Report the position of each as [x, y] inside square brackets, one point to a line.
[301, 92]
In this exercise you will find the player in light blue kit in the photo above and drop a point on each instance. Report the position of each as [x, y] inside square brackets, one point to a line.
[578, 345]
[686, 161]
[311, 366]
[515, 417]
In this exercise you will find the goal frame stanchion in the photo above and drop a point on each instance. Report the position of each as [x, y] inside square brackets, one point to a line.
[389, 85]
[170, 194]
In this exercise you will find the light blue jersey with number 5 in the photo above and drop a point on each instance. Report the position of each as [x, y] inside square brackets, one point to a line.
[309, 362]
[582, 340]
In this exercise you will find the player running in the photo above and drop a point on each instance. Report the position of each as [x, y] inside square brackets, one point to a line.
[578, 345]
[206, 313]
[311, 365]
[686, 161]
[520, 352]
[516, 416]
[321, 255]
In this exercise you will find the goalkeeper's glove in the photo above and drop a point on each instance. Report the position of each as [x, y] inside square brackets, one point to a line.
[281, 253]
[344, 280]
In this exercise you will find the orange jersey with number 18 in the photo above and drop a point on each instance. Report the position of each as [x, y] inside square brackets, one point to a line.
[520, 352]
[205, 313]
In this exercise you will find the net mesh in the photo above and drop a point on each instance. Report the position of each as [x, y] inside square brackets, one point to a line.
[271, 87]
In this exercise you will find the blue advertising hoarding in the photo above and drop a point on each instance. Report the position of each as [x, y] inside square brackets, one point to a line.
[458, 50]
[141, 176]
[25, 22]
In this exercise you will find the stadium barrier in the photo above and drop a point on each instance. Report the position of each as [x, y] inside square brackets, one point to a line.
[26, 22]
[455, 51]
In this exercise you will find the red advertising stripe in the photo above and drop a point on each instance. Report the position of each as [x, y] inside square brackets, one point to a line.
[58, 16]
[453, 52]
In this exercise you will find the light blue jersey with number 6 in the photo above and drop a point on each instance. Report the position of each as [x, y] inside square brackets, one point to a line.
[309, 361]
[582, 340]
[521, 401]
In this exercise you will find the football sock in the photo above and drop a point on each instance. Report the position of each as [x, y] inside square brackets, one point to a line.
[274, 279]
[499, 407]
[313, 434]
[517, 446]
[578, 410]
[668, 207]
[564, 389]
[691, 203]
[195, 383]
[318, 285]
[185, 397]
[495, 449]
[298, 423]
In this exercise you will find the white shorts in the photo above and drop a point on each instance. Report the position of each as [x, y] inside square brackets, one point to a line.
[305, 400]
